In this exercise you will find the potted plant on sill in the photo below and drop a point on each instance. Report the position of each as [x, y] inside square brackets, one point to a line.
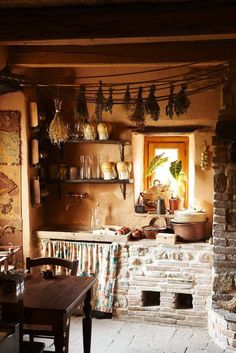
[177, 201]
[156, 190]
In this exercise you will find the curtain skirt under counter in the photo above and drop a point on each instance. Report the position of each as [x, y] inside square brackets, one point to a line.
[95, 259]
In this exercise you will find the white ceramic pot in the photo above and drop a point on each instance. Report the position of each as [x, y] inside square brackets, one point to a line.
[123, 169]
[108, 170]
[90, 132]
[104, 130]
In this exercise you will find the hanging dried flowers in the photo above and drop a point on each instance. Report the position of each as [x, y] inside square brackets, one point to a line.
[171, 103]
[182, 102]
[151, 105]
[99, 104]
[109, 102]
[81, 110]
[204, 156]
[127, 100]
[138, 114]
[58, 130]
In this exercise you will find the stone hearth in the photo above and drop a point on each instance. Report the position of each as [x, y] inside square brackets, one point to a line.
[168, 284]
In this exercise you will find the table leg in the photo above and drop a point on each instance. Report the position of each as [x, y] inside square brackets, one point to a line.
[59, 335]
[87, 322]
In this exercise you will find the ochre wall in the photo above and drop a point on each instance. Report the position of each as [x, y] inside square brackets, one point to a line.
[17, 101]
[203, 111]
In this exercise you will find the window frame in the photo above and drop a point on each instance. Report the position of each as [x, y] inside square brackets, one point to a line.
[180, 142]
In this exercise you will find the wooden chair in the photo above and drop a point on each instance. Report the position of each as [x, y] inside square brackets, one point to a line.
[12, 329]
[46, 331]
[53, 261]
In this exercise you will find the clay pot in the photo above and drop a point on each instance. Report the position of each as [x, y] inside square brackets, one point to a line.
[191, 231]
[108, 170]
[123, 169]
[175, 204]
[90, 132]
[104, 131]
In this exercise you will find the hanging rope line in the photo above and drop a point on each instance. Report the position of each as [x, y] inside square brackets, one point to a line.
[138, 98]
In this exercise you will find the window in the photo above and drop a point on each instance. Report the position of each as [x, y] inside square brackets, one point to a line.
[173, 147]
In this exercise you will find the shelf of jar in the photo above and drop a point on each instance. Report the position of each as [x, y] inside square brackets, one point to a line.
[96, 181]
[111, 142]
[91, 181]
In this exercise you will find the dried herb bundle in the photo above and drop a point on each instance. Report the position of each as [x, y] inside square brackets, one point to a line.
[138, 114]
[81, 109]
[151, 105]
[99, 103]
[171, 103]
[109, 102]
[127, 101]
[182, 102]
[58, 131]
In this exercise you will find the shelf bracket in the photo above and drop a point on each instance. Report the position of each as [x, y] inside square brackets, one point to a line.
[122, 152]
[123, 190]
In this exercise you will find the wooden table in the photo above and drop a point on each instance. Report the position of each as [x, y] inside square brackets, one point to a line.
[52, 302]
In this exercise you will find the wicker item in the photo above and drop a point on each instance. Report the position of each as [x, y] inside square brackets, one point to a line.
[158, 222]
[58, 130]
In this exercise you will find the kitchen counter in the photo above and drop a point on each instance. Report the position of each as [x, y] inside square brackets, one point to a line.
[79, 234]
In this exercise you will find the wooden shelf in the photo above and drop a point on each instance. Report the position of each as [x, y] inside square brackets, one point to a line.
[122, 183]
[109, 142]
[97, 181]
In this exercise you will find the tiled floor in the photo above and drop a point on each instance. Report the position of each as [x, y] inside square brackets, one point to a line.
[114, 336]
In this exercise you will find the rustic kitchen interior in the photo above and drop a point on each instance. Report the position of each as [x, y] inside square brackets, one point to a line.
[83, 118]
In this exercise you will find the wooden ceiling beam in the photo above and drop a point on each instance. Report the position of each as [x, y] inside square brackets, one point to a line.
[123, 54]
[24, 26]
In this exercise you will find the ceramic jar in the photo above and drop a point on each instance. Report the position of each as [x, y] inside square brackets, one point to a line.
[62, 171]
[123, 169]
[90, 132]
[104, 131]
[108, 170]
[73, 172]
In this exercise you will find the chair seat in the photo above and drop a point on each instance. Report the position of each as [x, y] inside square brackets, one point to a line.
[32, 347]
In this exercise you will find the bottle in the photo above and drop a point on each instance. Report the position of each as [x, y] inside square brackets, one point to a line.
[96, 222]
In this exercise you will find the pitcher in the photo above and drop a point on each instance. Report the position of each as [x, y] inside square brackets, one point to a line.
[108, 170]
[123, 169]
[90, 132]
[104, 130]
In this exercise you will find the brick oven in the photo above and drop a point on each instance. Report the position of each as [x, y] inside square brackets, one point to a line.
[222, 316]
[168, 284]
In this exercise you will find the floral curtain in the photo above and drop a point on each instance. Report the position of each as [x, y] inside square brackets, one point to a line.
[95, 259]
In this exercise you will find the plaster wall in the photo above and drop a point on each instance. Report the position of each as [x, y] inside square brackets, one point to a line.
[17, 101]
[203, 111]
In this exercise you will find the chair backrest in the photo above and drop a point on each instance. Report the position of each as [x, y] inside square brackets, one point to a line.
[54, 261]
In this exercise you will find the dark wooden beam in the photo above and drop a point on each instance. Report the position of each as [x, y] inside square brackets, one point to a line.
[22, 26]
[149, 129]
[122, 54]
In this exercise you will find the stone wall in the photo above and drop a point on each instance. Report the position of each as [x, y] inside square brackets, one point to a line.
[169, 284]
[222, 317]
